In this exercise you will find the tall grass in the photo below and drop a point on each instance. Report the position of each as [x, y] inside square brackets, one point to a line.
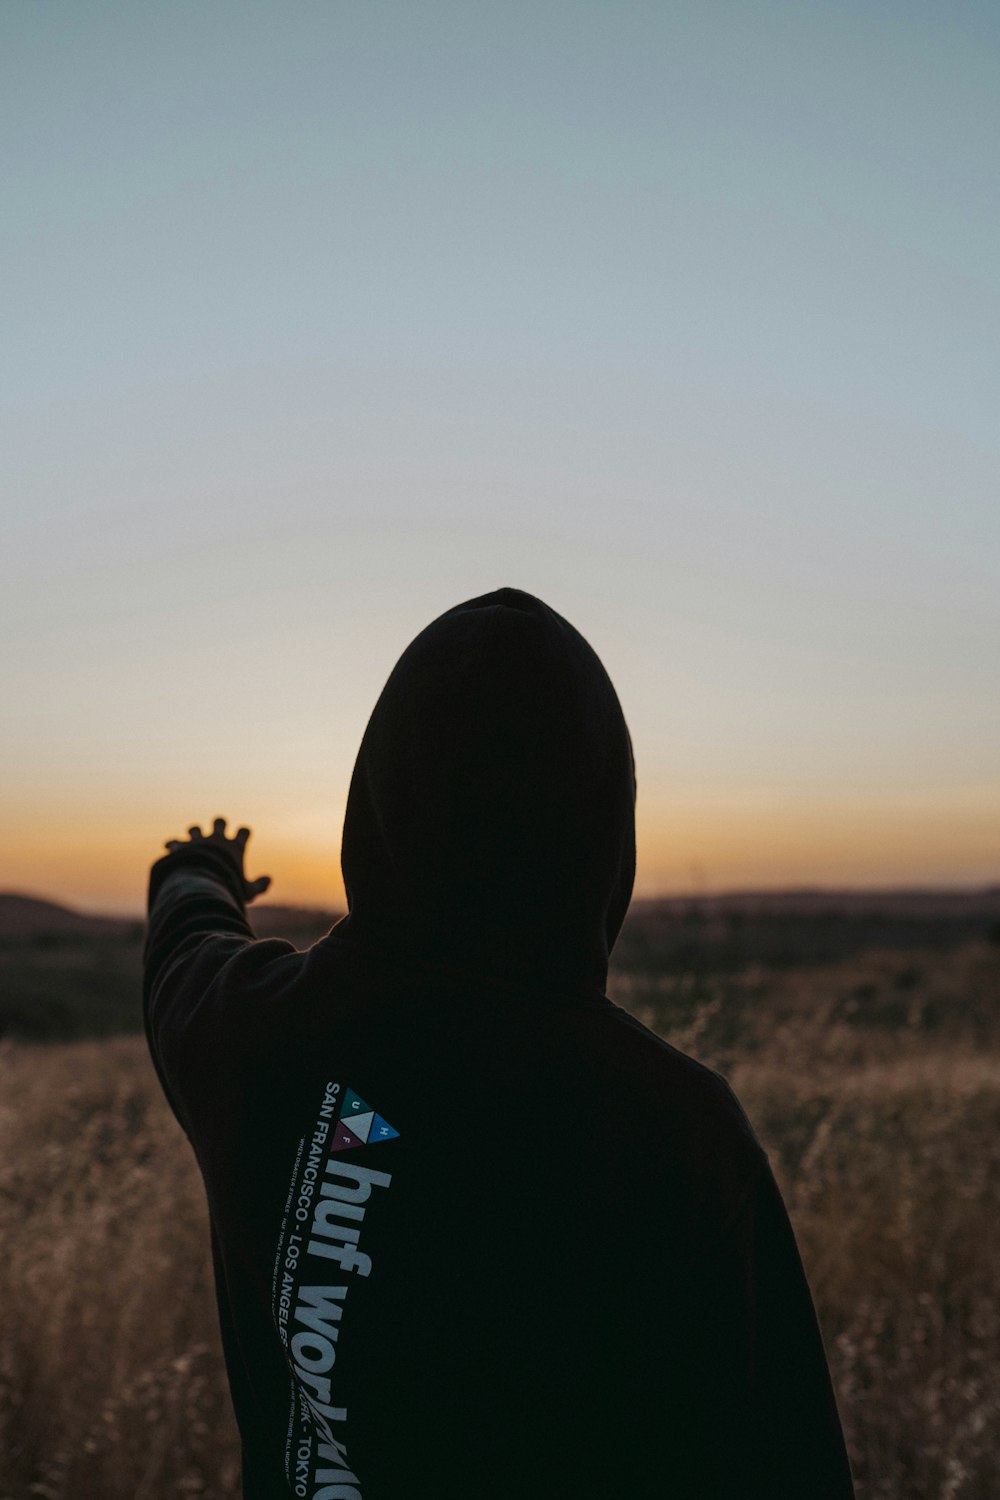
[874, 1084]
[111, 1381]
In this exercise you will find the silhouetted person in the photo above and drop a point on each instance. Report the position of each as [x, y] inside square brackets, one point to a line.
[476, 1231]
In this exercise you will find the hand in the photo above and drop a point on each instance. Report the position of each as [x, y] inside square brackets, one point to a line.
[233, 848]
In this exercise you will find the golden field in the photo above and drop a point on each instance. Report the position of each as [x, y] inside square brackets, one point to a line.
[874, 1082]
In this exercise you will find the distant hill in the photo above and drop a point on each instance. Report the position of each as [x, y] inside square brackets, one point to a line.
[29, 917]
[918, 902]
[66, 973]
[24, 916]
[800, 927]
[32, 919]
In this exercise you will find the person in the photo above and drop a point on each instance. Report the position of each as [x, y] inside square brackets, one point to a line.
[476, 1231]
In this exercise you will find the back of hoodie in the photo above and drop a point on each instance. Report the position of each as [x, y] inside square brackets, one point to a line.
[477, 1232]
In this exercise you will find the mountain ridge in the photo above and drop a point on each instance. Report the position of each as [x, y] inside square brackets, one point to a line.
[25, 916]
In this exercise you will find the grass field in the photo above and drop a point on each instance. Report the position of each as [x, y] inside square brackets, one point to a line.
[874, 1082]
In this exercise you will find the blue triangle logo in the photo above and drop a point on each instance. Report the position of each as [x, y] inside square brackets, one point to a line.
[381, 1131]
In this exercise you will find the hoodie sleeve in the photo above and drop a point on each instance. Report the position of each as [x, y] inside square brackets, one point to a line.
[766, 1397]
[196, 922]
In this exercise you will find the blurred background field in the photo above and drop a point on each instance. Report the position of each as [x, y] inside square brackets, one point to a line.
[861, 1032]
[323, 318]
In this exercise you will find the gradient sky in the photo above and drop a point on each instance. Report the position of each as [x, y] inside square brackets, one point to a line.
[320, 318]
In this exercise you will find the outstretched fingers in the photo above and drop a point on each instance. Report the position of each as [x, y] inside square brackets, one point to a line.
[235, 847]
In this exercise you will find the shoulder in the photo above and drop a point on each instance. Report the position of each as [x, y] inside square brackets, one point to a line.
[674, 1077]
[217, 1000]
[695, 1129]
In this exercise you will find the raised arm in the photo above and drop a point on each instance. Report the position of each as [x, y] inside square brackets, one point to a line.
[198, 894]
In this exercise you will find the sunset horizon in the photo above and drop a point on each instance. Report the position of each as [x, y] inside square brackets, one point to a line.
[568, 309]
[783, 858]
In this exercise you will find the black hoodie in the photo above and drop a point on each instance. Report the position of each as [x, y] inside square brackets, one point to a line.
[476, 1231]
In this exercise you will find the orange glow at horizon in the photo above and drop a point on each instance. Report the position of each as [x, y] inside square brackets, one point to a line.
[100, 862]
[617, 359]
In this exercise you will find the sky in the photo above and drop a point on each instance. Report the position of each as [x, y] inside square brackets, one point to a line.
[318, 319]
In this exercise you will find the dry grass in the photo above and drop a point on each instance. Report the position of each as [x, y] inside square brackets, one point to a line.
[875, 1085]
[111, 1381]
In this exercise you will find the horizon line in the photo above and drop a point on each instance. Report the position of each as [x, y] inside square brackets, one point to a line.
[728, 893]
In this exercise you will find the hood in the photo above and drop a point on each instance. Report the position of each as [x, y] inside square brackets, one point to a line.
[490, 821]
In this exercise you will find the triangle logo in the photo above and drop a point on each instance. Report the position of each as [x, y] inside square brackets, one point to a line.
[359, 1125]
